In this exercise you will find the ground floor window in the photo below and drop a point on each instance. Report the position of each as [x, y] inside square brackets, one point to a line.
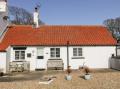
[77, 52]
[55, 52]
[19, 55]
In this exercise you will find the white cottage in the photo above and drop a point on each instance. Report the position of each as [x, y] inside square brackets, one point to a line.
[40, 45]
[3, 28]
[92, 45]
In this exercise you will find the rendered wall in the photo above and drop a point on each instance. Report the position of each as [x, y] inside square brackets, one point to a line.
[3, 62]
[93, 56]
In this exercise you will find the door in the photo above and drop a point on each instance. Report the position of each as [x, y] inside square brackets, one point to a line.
[40, 62]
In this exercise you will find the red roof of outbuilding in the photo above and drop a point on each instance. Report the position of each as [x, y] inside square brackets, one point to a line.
[57, 35]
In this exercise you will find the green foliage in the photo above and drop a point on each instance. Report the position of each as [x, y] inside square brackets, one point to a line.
[68, 70]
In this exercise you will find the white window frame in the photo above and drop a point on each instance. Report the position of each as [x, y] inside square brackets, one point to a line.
[21, 57]
[54, 53]
[77, 52]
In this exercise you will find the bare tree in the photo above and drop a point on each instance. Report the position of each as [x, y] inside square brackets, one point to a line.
[113, 26]
[21, 16]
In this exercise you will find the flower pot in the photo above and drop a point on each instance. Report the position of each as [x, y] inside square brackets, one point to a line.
[68, 77]
[87, 76]
[1, 73]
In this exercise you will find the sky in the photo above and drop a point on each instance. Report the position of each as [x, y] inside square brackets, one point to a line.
[72, 12]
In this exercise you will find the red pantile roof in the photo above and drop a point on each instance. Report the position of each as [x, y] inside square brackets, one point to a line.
[57, 35]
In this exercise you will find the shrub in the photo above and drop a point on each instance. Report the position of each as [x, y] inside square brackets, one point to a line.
[69, 70]
[87, 70]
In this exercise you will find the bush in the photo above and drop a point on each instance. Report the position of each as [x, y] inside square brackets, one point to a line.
[87, 70]
[68, 70]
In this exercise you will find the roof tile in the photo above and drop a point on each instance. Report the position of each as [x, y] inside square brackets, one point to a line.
[57, 35]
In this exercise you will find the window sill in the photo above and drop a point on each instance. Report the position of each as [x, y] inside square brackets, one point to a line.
[54, 59]
[40, 58]
[78, 57]
[19, 60]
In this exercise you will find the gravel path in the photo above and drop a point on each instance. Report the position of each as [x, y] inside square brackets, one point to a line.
[99, 80]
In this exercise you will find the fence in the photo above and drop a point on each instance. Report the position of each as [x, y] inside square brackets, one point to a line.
[115, 63]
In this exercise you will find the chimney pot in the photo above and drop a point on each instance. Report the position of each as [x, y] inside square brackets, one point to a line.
[36, 9]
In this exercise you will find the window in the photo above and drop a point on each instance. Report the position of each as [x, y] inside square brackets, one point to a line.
[54, 52]
[29, 55]
[77, 52]
[40, 53]
[19, 55]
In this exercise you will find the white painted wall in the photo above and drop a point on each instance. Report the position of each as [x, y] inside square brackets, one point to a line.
[100, 57]
[3, 23]
[3, 6]
[94, 56]
[3, 62]
[8, 58]
[33, 59]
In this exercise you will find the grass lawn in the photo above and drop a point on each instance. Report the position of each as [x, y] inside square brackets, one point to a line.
[101, 79]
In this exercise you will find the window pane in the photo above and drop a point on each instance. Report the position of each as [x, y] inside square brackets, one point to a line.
[52, 52]
[22, 56]
[19, 55]
[57, 49]
[16, 55]
[52, 49]
[55, 52]
[79, 51]
[74, 51]
[58, 55]
[80, 54]
[52, 55]
[74, 54]
[22, 52]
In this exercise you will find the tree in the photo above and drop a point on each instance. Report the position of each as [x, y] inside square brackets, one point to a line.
[113, 26]
[21, 16]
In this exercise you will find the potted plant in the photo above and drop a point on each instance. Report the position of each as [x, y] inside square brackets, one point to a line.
[87, 75]
[1, 73]
[68, 76]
